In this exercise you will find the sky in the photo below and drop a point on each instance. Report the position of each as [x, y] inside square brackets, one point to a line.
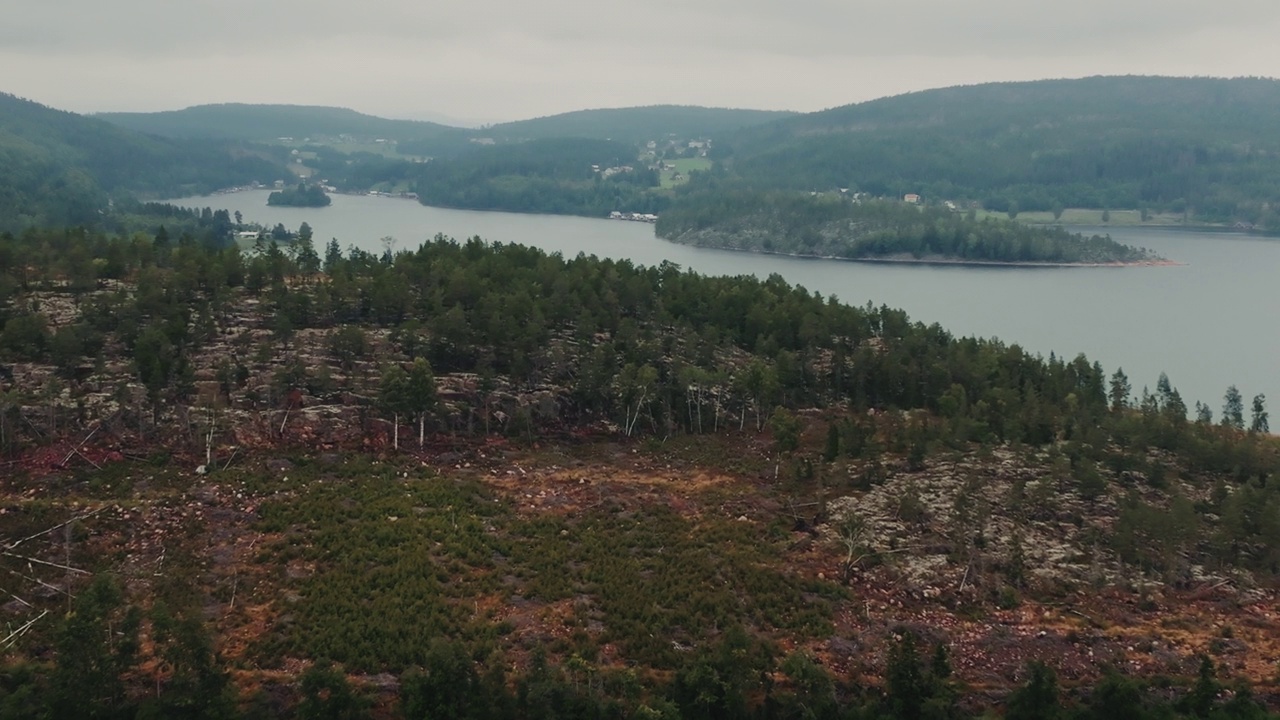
[477, 61]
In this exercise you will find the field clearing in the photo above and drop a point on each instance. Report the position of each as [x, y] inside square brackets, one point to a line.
[683, 166]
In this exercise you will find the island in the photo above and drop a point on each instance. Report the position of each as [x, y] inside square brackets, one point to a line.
[301, 196]
[833, 225]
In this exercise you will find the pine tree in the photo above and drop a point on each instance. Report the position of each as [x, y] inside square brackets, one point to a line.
[327, 695]
[1120, 389]
[197, 686]
[304, 252]
[832, 450]
[1037, 699]
[332, 256]
[96, 645]
[1204, 414]
[1260, 423]
[1233, 409]
[1199, 701]
[905, 682]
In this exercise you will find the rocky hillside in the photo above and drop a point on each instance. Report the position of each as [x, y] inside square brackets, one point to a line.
[260, 528]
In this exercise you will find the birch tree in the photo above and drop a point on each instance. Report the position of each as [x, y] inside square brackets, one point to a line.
[420, 395]
[636, 386]
[392, 397]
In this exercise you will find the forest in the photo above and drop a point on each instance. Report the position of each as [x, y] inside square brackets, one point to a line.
[429, 480]
[837, 225]
[1199, 146]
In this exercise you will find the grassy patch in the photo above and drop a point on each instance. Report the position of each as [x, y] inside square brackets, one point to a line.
[683, 166]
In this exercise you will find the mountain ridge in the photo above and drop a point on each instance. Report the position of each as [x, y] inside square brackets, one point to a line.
[273, 121]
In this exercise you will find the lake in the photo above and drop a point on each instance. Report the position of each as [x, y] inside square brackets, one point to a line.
[1208, 323]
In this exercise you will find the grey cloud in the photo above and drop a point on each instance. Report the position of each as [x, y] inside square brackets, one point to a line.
[505, 59]
[805, 27]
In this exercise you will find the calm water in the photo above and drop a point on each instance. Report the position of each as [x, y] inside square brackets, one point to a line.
[1209, 323]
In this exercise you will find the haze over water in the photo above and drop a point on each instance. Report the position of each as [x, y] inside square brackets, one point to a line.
[1209, 323]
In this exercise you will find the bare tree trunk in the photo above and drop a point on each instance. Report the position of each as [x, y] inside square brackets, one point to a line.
[208, 443]
[4, 427]
[395, 442]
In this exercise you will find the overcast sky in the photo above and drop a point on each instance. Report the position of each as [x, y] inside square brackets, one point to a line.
[491, 60]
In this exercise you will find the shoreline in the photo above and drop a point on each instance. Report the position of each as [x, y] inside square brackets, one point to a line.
[1155, 262]
[1183, 227]
[1161, 262]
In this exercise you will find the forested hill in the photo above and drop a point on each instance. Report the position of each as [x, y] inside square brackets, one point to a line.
[1202, 145]
[831, 225]
[635, 492]
[267, 123]
[638, 124]
[60, 168]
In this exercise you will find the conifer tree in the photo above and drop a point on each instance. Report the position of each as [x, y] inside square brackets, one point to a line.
[1260, 423]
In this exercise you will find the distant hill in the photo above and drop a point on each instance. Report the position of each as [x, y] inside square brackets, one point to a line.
[267, 123]
[59, 168]
[636, 124]
[545, 164]
[1203, 145]
[540, 165]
